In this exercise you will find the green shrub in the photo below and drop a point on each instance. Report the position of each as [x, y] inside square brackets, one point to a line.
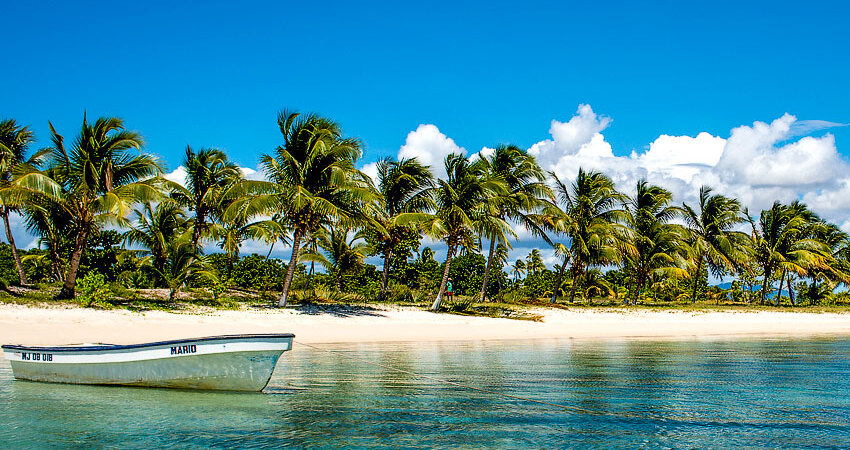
[118, 290]
[92, 290]
[400, 293]
[461, 304]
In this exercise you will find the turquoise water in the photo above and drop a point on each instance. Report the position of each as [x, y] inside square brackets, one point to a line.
[765, 393]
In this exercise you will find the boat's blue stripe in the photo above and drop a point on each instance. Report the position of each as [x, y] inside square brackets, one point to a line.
[147, 344]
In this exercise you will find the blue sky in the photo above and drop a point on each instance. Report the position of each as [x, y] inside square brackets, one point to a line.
[483, 73]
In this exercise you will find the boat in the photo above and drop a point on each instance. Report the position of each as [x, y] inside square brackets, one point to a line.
[243, 362]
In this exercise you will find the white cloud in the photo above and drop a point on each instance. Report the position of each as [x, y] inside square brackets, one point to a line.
[581, 135]
[485, 152]
[682, 156]
[253, 174]
[177, 175]
[430, 147]
[371, 170]
[752, 157]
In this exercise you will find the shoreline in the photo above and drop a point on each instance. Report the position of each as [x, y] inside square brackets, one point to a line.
[26, 325]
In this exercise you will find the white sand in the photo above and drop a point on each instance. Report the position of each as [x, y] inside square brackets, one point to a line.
[54, 326]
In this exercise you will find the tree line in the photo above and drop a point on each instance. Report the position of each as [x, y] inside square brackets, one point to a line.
[315, 200]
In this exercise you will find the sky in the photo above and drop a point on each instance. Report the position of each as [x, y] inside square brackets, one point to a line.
[749, 97]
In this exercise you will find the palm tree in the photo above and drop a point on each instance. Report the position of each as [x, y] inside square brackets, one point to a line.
[790, 239]
[342, 253]
[14, 143]
[209, 174]
[524, 197]
[460, 201]
[656, 246]
[534, 262]
[518, 269]
[236, 228]
[95, 183]
[313, 181]
[156, 229]
[404, 188]
[45, 219]
[184, 266]
[838, 270]
[590, 219]
[784, 241]
[713, 240]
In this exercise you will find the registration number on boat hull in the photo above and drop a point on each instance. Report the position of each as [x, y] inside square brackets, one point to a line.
[32, 356]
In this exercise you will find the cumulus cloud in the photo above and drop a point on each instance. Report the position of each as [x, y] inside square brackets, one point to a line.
[429, 146]
[751, 156]
[371, 170]
[178, 175]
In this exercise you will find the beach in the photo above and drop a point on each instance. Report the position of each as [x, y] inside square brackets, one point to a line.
[67, 325]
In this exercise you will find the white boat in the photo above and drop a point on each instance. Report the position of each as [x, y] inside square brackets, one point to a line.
[242, 362]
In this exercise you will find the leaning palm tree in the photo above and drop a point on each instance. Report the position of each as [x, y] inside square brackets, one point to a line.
[312, 183]
[209, 174]
[590, 219]
[657, 246]
[460, 200]
[95, 182]
[713, 240]
[155, 229]
[404, 188]
[522, 201]
[14, 143]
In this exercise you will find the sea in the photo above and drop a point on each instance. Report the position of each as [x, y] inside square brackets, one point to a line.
[625, 393]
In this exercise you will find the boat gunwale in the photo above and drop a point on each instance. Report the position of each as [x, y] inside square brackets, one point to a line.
[110, 347]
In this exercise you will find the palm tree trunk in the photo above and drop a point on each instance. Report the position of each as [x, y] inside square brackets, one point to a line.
[439, 299]
[487, 269]
[310, 274]
[764, 286]
[575, 270]
[196, 230]
[385, 274]
[55, 267]
[696, 280]
[558, 281]
[67, 291]
[11, 239]
[639, 282]
[781, 285]
[290, 271]
[791, 292]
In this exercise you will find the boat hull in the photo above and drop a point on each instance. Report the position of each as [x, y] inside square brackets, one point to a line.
[233, 363]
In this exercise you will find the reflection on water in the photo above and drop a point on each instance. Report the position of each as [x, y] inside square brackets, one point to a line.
[630, 393]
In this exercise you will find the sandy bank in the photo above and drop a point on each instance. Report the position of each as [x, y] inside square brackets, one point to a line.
[45, 326]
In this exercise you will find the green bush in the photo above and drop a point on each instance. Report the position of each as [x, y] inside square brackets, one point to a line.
[400, 293]
[539, 283]
[93, 290]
